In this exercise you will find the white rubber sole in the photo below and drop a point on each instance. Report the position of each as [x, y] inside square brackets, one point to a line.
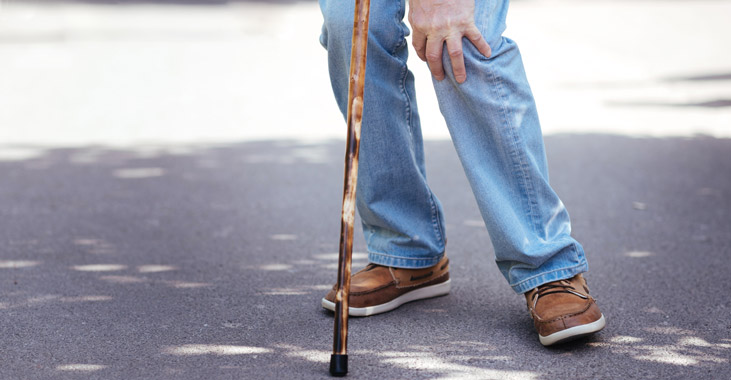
[418, 294]
[573, 332]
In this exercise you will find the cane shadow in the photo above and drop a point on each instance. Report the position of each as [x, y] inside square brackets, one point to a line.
[209, 260]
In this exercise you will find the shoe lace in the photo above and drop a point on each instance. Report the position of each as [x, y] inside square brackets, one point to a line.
[555, 287]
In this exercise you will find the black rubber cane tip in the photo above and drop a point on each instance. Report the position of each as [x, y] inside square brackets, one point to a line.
[338, 365]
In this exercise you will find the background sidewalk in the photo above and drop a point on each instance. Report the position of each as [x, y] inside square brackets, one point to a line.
[170, 183]
[78, 73]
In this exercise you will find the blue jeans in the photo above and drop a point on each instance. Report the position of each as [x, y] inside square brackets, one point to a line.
[494, 126]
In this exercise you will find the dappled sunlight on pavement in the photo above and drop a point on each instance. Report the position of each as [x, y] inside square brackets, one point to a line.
[686, 350]
[82, 368]
[216, 349]
[216, 269]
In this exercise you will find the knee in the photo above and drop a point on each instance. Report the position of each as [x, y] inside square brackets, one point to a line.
[504, 52]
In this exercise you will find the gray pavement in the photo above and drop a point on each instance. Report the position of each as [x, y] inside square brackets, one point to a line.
[210, 263]
[170, 181]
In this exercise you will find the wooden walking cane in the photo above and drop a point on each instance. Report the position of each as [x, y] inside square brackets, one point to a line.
[339, 358]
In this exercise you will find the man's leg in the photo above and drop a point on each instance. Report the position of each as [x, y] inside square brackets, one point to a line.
[402, 219]
[494, 125]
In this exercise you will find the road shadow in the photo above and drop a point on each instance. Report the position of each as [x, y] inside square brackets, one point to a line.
[710, 77]
[208, 261]
[716, 103]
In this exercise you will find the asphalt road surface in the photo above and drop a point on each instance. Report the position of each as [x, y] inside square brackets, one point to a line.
[210, 261]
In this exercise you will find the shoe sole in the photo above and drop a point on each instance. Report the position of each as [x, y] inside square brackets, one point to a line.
[418, 294]
[572, 333]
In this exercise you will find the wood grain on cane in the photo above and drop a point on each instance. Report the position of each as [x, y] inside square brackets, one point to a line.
[354, 118]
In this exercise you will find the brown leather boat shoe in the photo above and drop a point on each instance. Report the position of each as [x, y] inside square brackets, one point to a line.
[378, 289]
[563, 311]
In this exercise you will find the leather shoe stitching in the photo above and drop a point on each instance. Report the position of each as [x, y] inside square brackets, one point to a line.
[423, 276]
[415, 285]
[561, 317]
[373, 290]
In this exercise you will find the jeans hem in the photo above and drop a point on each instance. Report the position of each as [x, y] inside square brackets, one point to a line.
[403, 262]
[554, 275]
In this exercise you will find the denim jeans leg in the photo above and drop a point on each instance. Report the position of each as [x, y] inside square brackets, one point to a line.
[402, 219]
[494, 125]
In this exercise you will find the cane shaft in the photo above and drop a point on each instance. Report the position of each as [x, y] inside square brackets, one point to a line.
[354, 117]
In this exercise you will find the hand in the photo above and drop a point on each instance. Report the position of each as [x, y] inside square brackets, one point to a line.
[437, 21]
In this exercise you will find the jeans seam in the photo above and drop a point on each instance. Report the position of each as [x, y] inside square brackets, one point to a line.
[369, 236]
[399, 44]
[399, 21]
[436, 225]
[516, 153]
[407, 102]
[438, 228]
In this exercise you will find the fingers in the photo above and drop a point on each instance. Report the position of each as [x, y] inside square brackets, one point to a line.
[418, 40]
[473, 34]
[430, 50]
[454, 49]
[434, 57]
